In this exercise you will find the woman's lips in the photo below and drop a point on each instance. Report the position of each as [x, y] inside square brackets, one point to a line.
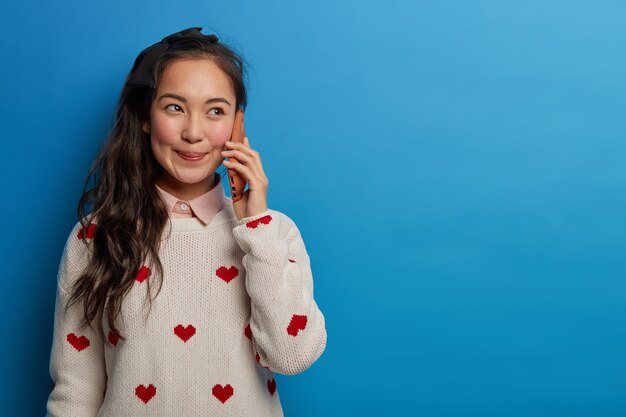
[191, 156]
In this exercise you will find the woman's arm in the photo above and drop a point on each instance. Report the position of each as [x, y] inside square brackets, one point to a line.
[288, 329]
[77, 363]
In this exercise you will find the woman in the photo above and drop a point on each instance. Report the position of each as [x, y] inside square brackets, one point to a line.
[172, 299]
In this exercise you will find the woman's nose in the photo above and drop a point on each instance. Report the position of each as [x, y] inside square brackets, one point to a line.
[193, 130]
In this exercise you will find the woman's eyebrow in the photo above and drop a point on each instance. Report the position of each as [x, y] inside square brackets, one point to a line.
[184, 100]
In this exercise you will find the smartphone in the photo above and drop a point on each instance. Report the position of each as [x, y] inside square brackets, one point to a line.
[236, 181]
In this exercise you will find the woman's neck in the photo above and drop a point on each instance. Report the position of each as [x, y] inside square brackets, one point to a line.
[188, 192]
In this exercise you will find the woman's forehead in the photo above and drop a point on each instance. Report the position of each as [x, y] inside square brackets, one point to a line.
[194, 78]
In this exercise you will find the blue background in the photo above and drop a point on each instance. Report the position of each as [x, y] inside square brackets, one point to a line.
[456, 170]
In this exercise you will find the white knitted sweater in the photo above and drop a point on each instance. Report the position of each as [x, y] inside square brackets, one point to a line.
[236, 306]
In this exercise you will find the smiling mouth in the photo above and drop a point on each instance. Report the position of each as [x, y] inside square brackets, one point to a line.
[191, 156]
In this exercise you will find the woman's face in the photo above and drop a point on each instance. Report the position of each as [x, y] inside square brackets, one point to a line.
[191, 118]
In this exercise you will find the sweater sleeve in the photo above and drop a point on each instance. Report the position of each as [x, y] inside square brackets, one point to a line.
[77, 364]
[288, 329]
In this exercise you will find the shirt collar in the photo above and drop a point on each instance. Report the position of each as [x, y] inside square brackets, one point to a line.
[205, 206]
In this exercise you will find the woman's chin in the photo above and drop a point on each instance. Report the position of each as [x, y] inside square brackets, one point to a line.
[193, 180]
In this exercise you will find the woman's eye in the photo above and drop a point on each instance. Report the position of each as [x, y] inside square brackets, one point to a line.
[175, 105]
[216, 111]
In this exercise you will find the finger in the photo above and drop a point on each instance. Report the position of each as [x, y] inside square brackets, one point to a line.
[251, 180]
[240, 148]
[245, 148]
[244, 170]
[239, 155]
[253, 161]
[256, 156]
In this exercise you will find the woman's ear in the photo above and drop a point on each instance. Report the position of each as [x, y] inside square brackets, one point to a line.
[146, 127]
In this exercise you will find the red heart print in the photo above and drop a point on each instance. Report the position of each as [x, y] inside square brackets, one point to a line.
[143, 274]
[145, 394]
[248, 332]
[79, 343]
[227, 274]
[91, 230]
[297, 323]
[271, 386]
[223, 393]
[263, 220]
[184, 333]
[113, 338]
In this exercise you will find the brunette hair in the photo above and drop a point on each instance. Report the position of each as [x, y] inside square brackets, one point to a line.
[128, 211]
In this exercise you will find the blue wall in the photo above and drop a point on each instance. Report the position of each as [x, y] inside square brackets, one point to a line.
[456, 169]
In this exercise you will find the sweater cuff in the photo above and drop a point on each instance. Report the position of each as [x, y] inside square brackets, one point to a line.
[259, 233]
[245, 220]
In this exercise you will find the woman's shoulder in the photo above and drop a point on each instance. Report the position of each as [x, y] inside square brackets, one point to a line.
[77, 251]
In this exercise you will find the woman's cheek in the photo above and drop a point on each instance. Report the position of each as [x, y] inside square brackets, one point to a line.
[166, 131]
[221, 135]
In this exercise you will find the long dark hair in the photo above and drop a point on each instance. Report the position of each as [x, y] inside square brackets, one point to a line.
[126, 208]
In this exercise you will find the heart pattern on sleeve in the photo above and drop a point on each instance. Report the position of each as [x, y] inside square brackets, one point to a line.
[296, 324]
[78, 343]
[143, 274]
[91, 231]
[253, 224]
